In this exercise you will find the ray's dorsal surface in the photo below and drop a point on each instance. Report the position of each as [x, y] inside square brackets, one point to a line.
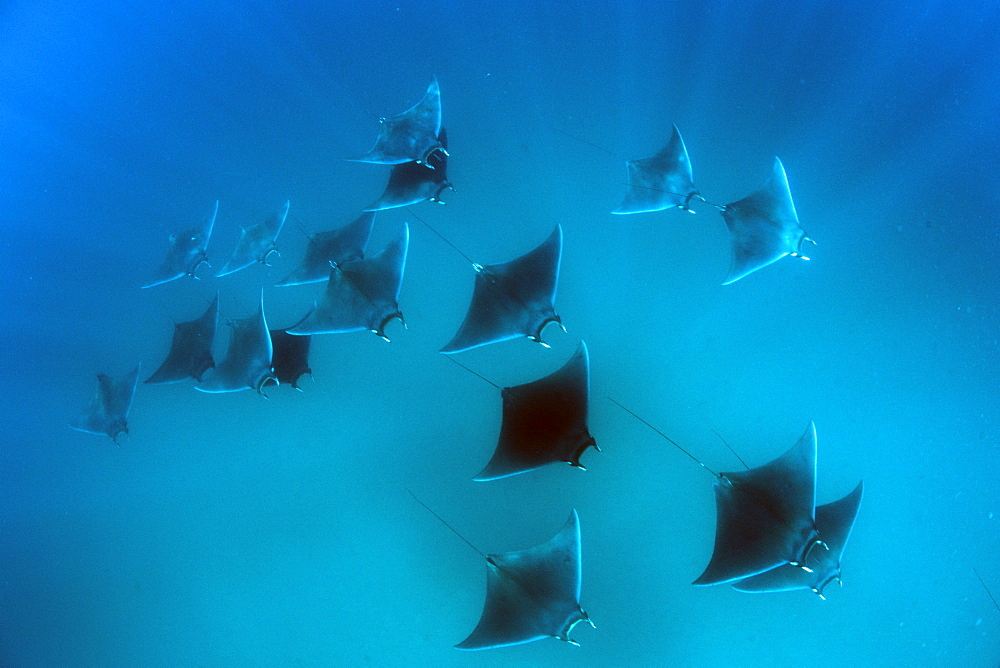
[257, 242]
[290, 357]
[108, 411]
[662, 181]
[834, 521]
[190, 352]
[765, 516]
[764, 227]
[361, 295]
[512, 299]
[412, 136]
[340, 246]
[247, 364]
[532, 594]
[544, 421]
[187, 251]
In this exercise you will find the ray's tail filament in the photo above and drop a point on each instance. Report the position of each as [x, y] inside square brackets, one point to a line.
[988, 592]
[441, 520]
[735, 454]
[477, 375]
[669, 440]
[444, 239]
[583, 141]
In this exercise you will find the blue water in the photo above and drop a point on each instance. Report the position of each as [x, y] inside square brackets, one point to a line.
[229, 530]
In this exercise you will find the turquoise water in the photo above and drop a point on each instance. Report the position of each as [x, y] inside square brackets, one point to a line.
[229, 530]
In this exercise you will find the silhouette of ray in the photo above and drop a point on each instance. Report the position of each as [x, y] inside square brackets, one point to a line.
[360, 295]
[411, 136]
[108, 411]
[340, 246]
[764, 227]
[512, 299]
[765, 515]
[190, 352]
[290, 358]
[532, 594]
[256, 243]
[544, 421]
[186, 252]
[660, 182]
[247, 364]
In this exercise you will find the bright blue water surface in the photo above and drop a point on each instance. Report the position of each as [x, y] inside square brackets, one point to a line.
[234, 531]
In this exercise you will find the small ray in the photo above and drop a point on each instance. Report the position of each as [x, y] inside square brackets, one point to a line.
[765, 515]
[412, 136]
[532, 594]
[412, 183]
[256, 243]
[834, 521]
[662, 181]
[544, 421]
[512, 299]
[247, 364]
[764, 227]
[360, 295]
[108, 411]
[186, 252]
[340, 246]
[190, 352]
[291, 357]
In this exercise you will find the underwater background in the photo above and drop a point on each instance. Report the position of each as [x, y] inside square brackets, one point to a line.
[230, 530]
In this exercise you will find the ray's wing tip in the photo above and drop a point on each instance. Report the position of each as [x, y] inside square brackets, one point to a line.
[734, 276]
[451, 348]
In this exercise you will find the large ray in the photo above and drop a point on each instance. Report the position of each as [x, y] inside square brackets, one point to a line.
[512, 299]
[360, 295]
[412, 136]
[764, 226]
[340, 246]
[108, 411]
[290, 358]
[544, 421]
[256, 242]
[765, 516]
[834, 521]
[186, 252]
[532, 594]
[190, 352]
[247, 365]
[660, 182]
[412, 183]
